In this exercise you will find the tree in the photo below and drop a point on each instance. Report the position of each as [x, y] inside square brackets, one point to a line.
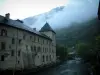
[61, 51]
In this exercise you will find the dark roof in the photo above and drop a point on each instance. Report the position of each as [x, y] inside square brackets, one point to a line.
[17, 24]
[46, 27]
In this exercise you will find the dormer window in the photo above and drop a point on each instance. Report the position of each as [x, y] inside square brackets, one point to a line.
[3, 32]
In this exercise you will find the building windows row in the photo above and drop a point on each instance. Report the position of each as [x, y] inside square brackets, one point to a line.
[34, 48]
[3, 44]
[47, 50]
[46, 58]
[13, 41]
[2, 58]
[38, 39]
[4, 33]
[13, 53]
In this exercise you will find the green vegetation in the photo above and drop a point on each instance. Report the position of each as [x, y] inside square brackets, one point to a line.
[61, 52]
[78, 32]
[85, 37]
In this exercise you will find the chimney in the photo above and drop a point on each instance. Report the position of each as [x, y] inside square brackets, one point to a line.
[7, 16]
[34, 29]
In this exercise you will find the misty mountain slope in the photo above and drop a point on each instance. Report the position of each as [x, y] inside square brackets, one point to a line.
[74, 11]
[42, 18]
[78, 32]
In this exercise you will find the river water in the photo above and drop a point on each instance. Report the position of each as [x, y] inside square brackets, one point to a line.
[71, 67]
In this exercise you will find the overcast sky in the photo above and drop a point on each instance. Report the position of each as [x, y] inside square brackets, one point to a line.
[25, 8]
[75, 10]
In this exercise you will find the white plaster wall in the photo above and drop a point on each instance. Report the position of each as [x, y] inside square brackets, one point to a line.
[27, 58]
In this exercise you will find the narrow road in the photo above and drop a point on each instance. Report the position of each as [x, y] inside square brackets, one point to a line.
[71, 67]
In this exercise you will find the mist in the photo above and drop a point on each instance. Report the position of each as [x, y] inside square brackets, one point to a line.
[75, 11]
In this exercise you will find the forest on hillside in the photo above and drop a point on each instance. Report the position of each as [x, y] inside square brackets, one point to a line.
[85, 38]
[78, 32]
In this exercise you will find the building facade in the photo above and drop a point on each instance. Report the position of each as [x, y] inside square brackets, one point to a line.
[22, 47]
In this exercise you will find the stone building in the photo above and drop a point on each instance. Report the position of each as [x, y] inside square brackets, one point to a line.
[23, 47]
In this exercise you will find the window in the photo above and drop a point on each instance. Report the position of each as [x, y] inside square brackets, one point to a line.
[24, 36]
[50, 57]
[43, 41]
[2, 58]
[20, 41]
[9, 46]
[19, 53]
[48, 42]
[13, 41]
[38, 39]
[31, 48]
[3, 32]
[30, 37]
[46, 58]
[43, 49]
[43, 58]
[3, 46]
[35, 48]
[39, 49]
[12, 53]
[34, 38]
[18, 62]
[26, 47]
[47, 49]
[52, 51]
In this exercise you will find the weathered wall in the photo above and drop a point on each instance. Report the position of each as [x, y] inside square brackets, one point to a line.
[25, 43]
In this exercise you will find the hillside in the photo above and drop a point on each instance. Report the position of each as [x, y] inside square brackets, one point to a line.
[63, 16]
[40, 19]
[78, 32]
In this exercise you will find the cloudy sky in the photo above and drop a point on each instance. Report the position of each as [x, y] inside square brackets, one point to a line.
[74, 10]
[25, 8]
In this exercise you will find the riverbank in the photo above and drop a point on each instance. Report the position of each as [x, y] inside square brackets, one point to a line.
[29, 71]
